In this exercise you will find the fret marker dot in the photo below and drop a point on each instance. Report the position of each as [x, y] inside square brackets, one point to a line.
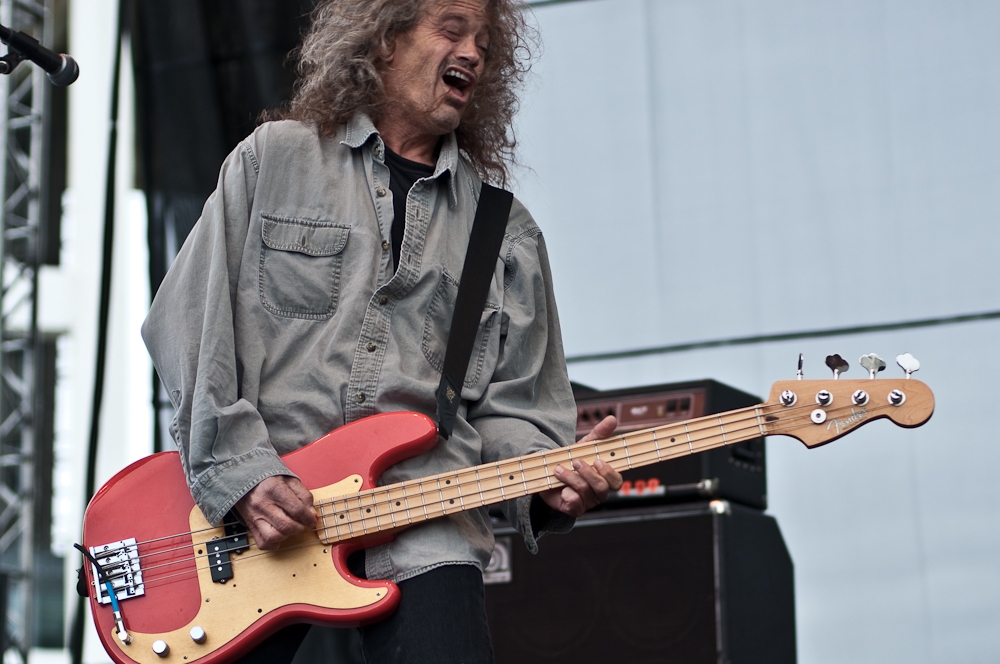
[672, 439]
[341, 516]
[511, 477]
[368, 510]
[612, 454]
[397, 503]
[447, 481]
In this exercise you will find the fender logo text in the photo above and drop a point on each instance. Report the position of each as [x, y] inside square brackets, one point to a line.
[843, 425]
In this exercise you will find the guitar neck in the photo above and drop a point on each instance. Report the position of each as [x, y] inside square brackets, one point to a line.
[399, 505]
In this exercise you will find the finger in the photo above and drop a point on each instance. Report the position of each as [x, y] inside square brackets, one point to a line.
[565, 500]
[604, 429]
[611, 476]
[301, 508]
[265, 536]
[582, 484]
[598, 485]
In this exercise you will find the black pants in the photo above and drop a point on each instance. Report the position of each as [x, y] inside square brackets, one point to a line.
[441, 619]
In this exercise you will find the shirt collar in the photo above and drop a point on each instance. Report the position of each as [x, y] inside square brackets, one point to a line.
[360, 131]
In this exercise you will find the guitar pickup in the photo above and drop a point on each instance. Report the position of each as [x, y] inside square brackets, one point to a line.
[220, 550]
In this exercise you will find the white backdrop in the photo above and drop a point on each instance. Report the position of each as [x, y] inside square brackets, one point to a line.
[706, 170]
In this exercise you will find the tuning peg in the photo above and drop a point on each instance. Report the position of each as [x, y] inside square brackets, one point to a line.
[907, 363]
[873, 363]
[798, 374]
[837, 364]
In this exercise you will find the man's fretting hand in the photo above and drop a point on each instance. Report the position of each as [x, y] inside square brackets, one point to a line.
[586, 485]
[276, 509]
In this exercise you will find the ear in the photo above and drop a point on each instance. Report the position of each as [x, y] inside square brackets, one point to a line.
[386, 49]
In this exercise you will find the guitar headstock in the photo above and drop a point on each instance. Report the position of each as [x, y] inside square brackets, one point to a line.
[819, 411]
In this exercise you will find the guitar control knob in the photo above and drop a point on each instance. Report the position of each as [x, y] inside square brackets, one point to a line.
[161, 648]
[896, 398]
[860, 398]
[788, 398]
[824, 398]
[197, 634]
[818, 416]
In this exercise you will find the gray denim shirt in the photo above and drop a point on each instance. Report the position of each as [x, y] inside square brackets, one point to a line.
[282, 319]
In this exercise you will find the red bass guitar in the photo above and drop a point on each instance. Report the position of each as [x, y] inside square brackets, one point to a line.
[168, 586]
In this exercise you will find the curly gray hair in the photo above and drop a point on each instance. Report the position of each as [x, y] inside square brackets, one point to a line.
[338, 60]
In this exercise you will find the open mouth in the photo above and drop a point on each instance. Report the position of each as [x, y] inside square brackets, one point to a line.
[457, 79]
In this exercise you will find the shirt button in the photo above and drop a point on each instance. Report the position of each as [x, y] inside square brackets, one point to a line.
[378, 150]
[371, 347]
[360, 398]
[380, 192]
[385, 245]
[383, 299]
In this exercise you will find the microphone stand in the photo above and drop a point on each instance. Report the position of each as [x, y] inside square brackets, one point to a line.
[61, 69]
[14, 57]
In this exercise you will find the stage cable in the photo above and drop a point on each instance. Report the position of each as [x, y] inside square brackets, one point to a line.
[77, 626]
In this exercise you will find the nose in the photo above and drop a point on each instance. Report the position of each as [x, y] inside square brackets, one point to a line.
[468, 51]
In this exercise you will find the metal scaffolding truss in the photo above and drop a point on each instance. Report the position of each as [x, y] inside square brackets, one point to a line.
[21, 117]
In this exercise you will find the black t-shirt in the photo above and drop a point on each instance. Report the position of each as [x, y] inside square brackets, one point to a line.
[402, 174]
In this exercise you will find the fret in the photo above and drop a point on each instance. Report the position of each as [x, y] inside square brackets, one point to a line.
[479, 486]
[503, 494]
[340, 515]
[760, 425]
[722, 430]
[392, 512]
[372, 510]
[628, 459]
[687, 433]
[656, 444]
[437, 481]
[445, 500]
[461, 498]
[335, 515]
[423, 502]
[361, 514]
[348, 519]
[550, 478]
[524, 482]
[406, 503]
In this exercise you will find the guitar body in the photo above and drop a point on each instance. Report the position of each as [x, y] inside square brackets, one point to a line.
[304, 581]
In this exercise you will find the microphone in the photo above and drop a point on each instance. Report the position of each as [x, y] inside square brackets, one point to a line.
[61, 68]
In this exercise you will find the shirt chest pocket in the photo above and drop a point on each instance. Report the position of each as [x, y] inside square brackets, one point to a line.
[300, 264]
[437, 325]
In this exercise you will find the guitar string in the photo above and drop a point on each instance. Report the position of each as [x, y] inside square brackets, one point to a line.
[437, 505]
[164, 578]
[531, 458]
[376, 498]
[377, 494]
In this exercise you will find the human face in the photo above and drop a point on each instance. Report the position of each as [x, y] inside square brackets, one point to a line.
[432, 70]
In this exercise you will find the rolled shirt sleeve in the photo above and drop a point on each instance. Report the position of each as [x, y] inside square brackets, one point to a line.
[223, 442]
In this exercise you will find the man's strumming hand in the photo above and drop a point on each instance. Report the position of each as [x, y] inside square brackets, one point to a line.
[276, 509]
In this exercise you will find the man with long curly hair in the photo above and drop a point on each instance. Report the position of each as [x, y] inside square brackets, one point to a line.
[318, 287]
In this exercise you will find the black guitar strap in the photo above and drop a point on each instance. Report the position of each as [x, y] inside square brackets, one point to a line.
[477, 273]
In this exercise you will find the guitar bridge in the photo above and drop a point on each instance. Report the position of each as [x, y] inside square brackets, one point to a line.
[119, 564]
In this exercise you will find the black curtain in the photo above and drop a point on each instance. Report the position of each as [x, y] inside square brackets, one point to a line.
[205, 70]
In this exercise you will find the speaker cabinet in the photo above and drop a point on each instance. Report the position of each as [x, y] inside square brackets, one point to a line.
[692, 584]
